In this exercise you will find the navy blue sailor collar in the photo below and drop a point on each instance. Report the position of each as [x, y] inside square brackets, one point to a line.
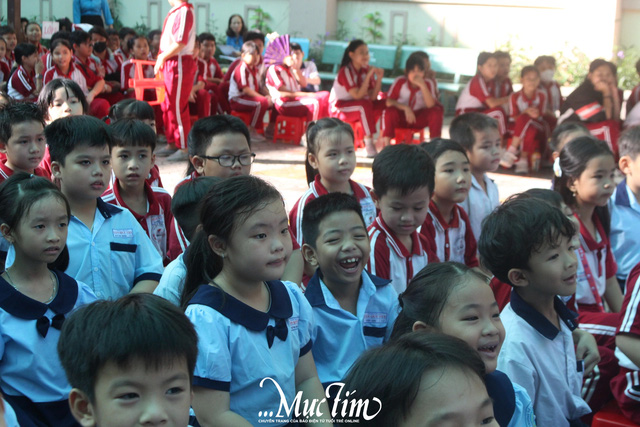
[538, 321]
[106, 209]
[314, 290]
[19, 305]
[622, 197]
[239, 312]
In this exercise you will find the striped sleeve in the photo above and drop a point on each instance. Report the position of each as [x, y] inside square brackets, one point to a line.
[630, 323]
[379, 258]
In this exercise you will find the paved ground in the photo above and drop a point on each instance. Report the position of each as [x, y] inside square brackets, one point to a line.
[283, 166]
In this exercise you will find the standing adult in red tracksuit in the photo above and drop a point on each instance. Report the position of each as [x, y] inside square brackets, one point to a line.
[179, 67]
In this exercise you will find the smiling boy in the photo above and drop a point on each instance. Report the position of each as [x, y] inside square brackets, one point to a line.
[530, 245]
[347, 302]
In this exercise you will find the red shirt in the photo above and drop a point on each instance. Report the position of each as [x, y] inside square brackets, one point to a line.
[6, 172]
[407, 93]
[179, 27]
[474, 95]
[209, 69]
[518, 103]
[22, 84]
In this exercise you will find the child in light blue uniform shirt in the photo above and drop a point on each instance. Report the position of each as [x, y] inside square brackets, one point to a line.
[108, 249]
[456, 300]
[36, 298]
[254, 332]
[353, 310]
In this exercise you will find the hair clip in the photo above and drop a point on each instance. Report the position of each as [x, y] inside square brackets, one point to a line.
[557, 170]
[30, 175]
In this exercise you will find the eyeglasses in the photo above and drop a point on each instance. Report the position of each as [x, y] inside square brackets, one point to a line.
[227, 160]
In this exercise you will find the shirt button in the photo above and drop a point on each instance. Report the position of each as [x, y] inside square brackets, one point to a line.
[95, 269]
[93, 243]
[446, 245]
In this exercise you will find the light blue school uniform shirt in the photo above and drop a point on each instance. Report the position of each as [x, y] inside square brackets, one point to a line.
[239, 346]
[112, 256]
[624, 236]
[172, 280]
[339, 337]
[29, 333]
[541, 358]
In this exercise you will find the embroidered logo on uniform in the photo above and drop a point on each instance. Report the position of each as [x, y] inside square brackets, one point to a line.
[293, 323]
[124, 234]
[375, 319]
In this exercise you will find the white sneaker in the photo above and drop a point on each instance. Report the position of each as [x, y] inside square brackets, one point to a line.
[522, 165]
[535, 162]
[370, 148]
[509, 157]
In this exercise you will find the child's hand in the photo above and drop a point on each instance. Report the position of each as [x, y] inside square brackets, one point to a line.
[379, 72]
[192, 97]
[159, 64]
[587, 350]
[39, 67]
[101, 71]
[418, 80]
[532, 112]
[409, 115]
[602, 86]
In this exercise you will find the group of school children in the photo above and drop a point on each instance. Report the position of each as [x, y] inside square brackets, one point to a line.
[423, 296]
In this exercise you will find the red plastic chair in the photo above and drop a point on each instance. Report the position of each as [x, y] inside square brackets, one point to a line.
[139, 83]
[407, 136]
[358, 134]
[289, 129]
[610, 416]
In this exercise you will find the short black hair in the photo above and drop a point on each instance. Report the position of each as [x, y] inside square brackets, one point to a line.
[142, 327]
[132, 41]
[484, 57]
[392, 374]
[78, 37]
[185, 204]
[562, 130]
[318, 209]
[529, 69]
[67, 133]
[6, 29]
[99, 31]
[16, 113]
[463, 126]
[60, 41]
[66, 35]
[516, 229]
[254, 35]
[416, 59]
[629, 142]
[402, 167]
[597, 63]
[131, 108]
[48, 92]
[112, 32]
[545, 58]
[295, 46]
[206, 37]
[126, 31]
[22, 50]
[501, 54]
[153, 33]
[132, 133]
[438, 146]
[203, 131]
[638, 66]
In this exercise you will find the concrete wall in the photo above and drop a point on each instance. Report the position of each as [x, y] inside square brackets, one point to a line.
[543, 26]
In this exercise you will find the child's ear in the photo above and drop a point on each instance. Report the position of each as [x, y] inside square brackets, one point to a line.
[419, 325]
[153, 159]
[518, 278]
[310, 255]
[82, 408]
[624, 164]
[313, 160]
[571, 185]
[56, 170]
[3, 147]
[198, 164]
[375, 199]
[6, 232]
[217, 245]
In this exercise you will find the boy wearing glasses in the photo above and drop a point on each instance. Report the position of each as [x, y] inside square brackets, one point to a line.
[132, 159]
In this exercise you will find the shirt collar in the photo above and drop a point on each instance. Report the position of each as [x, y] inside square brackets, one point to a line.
[314, 293]
[153, 205]
[590, 240]
[320, 190]
[621, 197]
[19, 305]
[540, 323]
[239, 312]
[106, 209]
[455, 221]
[397, 245]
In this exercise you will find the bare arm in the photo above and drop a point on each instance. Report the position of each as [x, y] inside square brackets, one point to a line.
[212, 409]
[496, 102]
[363, 90]
[630, 346]
[308, 382]
[613, 294]
[96, 90]
[144, 287]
